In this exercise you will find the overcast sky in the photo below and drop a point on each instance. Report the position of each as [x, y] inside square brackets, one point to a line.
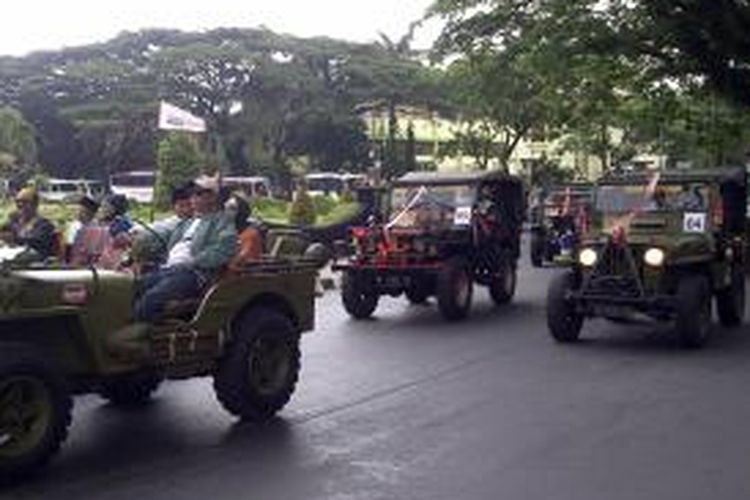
[29, 25]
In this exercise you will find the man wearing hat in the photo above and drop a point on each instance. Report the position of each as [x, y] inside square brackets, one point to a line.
[199, 247]
[25, 227]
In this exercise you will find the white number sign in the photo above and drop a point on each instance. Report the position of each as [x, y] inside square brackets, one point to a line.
[462, 216]
[694, 223]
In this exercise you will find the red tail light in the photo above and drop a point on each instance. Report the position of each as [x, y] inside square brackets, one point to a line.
[717, 213]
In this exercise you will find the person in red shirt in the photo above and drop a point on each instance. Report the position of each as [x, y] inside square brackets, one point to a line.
[249, 237]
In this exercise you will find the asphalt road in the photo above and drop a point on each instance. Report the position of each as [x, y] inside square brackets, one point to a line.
[408, 407]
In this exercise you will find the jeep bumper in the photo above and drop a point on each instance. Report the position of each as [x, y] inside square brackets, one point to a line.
[658, 306]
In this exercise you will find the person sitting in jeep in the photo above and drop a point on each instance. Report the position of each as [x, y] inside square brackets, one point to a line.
[198, 248]
[25, 227]
[250, 239]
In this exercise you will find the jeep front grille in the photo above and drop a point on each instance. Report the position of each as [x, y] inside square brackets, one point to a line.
[616, 273]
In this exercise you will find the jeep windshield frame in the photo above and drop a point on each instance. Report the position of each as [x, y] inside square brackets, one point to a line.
[433, 206]
[666, 197]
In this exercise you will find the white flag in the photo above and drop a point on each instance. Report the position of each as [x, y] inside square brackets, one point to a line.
[173, 118]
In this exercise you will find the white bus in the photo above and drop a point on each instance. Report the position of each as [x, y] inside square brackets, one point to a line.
[332, 183]
[137, 185]
[66, 190]
[252, 186]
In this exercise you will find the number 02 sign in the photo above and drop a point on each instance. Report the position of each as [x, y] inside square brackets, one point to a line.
[694, 223]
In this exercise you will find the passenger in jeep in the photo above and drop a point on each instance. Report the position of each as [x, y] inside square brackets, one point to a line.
[25, 227]
[250, 238]
[199, 248]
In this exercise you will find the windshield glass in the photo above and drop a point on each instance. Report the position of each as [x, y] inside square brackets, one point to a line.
[434, 206]
[674, 197]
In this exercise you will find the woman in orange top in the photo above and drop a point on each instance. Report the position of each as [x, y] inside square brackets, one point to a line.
[250, 239]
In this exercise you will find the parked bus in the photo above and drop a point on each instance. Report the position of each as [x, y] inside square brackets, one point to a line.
[251, 186]
[333, 184]
[137, 185]
[65, 190]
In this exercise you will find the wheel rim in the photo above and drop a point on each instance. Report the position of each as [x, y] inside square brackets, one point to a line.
[269, 365]
[25, 414]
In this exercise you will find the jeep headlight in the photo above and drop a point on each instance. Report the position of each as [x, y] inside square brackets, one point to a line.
[654, 257]
[588, 257]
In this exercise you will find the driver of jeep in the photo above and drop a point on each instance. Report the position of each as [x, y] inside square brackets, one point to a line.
[198, 249]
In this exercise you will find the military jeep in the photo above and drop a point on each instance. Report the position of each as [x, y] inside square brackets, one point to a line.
[660, 248]
[558, 218]
[65, 332]
[442, 232]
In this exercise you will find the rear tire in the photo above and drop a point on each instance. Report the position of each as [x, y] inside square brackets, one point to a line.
[258, 372]
[359, 300]
[563, 321]
[693, 311]
[536, 249]
[35, 413]
[454, 290]
[730, 302]
[503, 288]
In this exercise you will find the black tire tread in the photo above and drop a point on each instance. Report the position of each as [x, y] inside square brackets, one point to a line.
[24, 361]
[446, 299]
[230, 384]
[357, 304]
[563, 323]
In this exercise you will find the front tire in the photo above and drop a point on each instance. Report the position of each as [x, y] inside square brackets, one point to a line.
[563, 321]
[359, 300]
[693, 311]
[258, 372]
[503, 288]
[454, 290]
[536, 249]
[730, 302]
[35, 413]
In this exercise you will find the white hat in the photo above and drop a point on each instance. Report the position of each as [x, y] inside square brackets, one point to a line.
[207, 183]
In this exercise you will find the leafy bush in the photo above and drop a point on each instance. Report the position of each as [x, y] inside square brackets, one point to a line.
[271, 209]
[340, 213]
[323, 204]
[347, 196]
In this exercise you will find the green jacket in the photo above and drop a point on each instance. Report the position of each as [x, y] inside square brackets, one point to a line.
[214, 242]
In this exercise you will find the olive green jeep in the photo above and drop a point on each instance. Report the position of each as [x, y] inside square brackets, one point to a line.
[660, 247]
[65, 332]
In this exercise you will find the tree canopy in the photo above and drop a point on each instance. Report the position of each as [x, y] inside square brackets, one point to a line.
[265, 97]
[613, 78]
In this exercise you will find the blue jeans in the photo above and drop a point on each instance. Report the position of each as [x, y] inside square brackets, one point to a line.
[163, 285]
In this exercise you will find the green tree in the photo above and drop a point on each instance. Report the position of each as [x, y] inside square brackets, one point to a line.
[18, 151]
[179, 160]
